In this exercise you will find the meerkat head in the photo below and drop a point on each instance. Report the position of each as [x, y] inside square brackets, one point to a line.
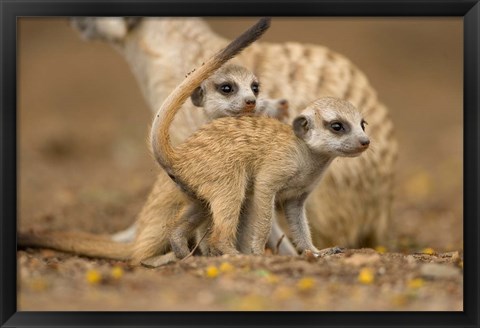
[276, 108]
[231, 91]
[332, 126]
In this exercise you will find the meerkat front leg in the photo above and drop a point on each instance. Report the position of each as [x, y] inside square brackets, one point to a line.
[297, 221]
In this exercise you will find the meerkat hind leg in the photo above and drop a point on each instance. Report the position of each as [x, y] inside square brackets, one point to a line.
[191, 219]
[226, 212]
[262, 215]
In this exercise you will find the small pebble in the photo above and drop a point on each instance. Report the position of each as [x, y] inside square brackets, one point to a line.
[435, 270]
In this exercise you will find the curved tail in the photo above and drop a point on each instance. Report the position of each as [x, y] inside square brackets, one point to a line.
[80, 243]
[160, 136]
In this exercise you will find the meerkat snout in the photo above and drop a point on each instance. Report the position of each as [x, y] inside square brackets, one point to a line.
[250, 103]
[364, 141]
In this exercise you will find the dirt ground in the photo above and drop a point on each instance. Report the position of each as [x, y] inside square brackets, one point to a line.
[84, 165]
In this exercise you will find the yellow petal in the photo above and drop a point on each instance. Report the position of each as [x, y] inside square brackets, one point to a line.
[381, 249]
[366, 276]
[226, 267]
[117, 272]
[428, 250]
[212, 271]
[93, 277]
[306, 283]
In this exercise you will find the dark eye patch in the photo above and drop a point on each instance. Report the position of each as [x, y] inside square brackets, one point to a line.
[255, 87]
[337, 126]
[226, 88]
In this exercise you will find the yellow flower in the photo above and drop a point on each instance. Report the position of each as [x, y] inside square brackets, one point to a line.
[428, 251]
[415, 283]
[93, 277]
[381, 249]
[306, 283]
[366, 276]
[212, 271]
[117, 272]
[226, 267]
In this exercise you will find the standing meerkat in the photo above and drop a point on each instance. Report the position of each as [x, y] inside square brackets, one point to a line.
[222, 161]
[160, 50]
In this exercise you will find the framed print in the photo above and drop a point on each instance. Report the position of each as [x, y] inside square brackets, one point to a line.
[94, 233]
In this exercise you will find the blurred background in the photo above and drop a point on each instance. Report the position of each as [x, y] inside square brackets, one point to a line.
[83, 123]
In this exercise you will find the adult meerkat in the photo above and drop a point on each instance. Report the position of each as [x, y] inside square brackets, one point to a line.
[160, 50]
[220, 163]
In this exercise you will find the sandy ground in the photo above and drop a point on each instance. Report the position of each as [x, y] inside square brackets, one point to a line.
[84, 165]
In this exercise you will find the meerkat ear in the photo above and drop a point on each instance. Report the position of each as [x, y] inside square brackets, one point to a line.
[301, 126]
[197, 97]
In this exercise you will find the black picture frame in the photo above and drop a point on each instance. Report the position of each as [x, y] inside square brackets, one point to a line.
[11, 10]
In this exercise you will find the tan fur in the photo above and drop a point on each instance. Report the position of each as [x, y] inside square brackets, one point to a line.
[223, 160]
[76, 242]
[161, 50]
[301, 72]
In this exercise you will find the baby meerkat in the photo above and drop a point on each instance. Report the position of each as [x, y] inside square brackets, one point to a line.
[271, 161]
[275, 108]
[234, 91]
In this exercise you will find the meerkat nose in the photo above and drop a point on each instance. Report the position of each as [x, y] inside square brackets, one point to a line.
[364, 142]
[250, 101]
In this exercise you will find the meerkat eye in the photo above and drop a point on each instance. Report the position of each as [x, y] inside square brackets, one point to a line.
[337, 126]
[363, 124]
[255, 88]
[226, 88]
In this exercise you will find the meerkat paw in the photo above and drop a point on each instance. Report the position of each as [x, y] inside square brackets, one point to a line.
[323, 252]
[159, 260]
[219, 250]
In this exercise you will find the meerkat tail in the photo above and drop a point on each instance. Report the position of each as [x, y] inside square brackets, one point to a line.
[160, 136]
[86, 244]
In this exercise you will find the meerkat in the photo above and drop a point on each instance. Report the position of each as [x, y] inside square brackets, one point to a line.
[219, 163]
[276, 108]
[160, 50]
